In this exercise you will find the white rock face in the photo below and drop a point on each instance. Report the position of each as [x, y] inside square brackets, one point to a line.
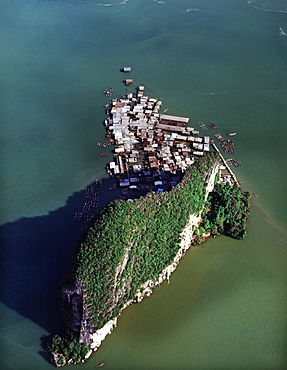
[146, 289]
[210, 184]
[101, 334]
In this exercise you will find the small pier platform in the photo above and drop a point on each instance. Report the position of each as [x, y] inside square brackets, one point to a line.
[232, 175]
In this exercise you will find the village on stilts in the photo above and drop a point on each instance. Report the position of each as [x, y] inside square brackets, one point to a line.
[151, 150]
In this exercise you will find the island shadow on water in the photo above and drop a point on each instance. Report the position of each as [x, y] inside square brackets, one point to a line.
[35, 256]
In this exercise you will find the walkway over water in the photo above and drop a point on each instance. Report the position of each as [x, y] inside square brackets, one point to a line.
[225, 163]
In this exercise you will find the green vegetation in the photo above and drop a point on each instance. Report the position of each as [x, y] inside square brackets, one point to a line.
[226, 212]
[68, 350]
[147, 231]
[129, 243]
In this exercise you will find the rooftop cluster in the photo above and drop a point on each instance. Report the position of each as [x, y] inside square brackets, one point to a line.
[152, 150]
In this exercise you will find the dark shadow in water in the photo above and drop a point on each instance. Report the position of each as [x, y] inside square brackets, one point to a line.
[44, 340]
[35, 255]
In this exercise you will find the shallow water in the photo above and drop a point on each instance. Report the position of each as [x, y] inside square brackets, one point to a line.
[213, 61]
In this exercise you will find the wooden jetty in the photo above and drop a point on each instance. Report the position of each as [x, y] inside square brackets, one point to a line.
[232, 175]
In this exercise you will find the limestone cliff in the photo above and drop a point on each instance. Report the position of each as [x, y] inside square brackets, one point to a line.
[129, 249]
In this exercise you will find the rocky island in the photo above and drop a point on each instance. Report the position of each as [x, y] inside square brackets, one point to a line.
[179, 193]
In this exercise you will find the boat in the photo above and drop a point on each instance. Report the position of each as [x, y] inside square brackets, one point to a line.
[232, 133]
[113, 187]
[108, 92]
[101, 364]
[236, 163]
[218, 136]
[103, 154]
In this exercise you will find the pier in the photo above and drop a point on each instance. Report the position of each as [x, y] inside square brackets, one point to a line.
[232, 175]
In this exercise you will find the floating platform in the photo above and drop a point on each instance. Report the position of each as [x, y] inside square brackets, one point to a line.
[108, 92]
[202, 125]
[212, 126]
[236, 163]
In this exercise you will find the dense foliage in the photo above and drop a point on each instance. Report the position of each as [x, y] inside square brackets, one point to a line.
[226, 212]
[68, 349]
[147, 231]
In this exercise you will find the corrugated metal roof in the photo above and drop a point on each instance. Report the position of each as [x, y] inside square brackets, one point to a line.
[174, 118]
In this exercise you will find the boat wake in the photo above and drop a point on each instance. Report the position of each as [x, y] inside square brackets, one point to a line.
[276, 6]
[212, 93]
[282, 33]
[158, 1]
[270, 91]
[192, 10]
[102, 3]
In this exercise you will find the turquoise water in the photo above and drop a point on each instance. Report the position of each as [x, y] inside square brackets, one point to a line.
[213, 61]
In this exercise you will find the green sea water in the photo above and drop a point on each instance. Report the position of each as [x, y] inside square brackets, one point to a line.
[211, 60]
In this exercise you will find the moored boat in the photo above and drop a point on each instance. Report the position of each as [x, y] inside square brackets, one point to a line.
[103, 154]
[232, 133]
[218, 136]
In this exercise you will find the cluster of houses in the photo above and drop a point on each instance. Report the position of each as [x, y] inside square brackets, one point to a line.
[152, 150]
